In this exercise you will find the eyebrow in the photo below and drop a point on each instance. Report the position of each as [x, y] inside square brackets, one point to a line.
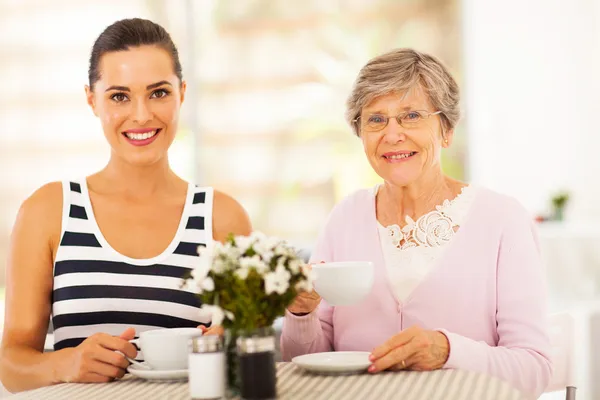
[149, 87]
[410, 107]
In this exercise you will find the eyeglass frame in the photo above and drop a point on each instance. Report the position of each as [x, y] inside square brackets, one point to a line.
[397, 118]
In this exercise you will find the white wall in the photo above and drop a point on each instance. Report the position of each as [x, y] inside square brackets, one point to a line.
[532, 102]
[531, 99]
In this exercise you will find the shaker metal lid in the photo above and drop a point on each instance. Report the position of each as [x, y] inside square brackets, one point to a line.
[206, 344]
[255, 344]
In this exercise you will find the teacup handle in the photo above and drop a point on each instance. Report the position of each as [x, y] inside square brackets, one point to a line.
[136, 343]
[132, 361]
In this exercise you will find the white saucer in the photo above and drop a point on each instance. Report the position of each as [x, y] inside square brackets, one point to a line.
[334, 362]
[158, 375]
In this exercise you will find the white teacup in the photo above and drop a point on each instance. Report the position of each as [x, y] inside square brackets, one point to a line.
[166, 349]
[344, 283]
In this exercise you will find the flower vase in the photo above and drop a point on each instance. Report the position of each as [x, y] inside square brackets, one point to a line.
[559, 213]
[232, 364]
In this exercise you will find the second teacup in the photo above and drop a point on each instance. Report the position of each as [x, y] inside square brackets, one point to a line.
[344, 283]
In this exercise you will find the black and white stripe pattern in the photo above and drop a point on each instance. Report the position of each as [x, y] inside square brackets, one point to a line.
[96, 289]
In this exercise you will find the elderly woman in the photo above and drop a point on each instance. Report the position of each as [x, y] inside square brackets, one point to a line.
[458, 277]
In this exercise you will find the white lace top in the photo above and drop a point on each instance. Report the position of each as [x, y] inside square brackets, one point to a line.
[412, 251]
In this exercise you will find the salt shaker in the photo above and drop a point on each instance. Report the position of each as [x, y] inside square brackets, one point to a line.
[207, 368]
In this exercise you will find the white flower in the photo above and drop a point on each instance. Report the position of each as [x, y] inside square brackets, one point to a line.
[277, 281]
[267, 256]
[305, 285]
[217, 248]
[260, 248]
[243, 243]
[217, 313]
[308, 272]
[219, 266]
[273, 242]
[204, 260]
[189, 285]
[207, 285]
[294, 266]
[253, 262]
[231, 258]
[199, 282]
[258, 236]
[232, 251]
[280, 250]
[242, 272]
[281, 261]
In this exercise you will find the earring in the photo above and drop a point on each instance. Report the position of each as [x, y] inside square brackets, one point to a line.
[446, 141]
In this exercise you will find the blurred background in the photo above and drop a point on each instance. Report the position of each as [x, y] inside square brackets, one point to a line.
[264, 114]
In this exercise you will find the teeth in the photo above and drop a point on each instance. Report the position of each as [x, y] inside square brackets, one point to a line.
[400, 156]
[140, 136]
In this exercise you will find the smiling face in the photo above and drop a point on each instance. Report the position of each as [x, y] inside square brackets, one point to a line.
[137, 99]
[403, 154]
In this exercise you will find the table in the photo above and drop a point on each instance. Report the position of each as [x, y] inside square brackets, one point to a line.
[293, 384]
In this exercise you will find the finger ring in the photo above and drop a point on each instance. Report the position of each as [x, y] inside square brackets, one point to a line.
[403, 364]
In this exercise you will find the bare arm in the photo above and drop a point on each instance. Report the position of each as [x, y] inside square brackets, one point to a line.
[29, 280]
[229, 217]
[29, 277]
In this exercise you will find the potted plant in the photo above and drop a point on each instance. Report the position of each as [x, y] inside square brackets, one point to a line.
[559, 202]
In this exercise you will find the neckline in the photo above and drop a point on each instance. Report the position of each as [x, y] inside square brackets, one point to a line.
[443, 208]
[138, 261]
[439, 263]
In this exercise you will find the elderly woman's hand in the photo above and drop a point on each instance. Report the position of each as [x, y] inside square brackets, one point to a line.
[305, 302]
[413, 348]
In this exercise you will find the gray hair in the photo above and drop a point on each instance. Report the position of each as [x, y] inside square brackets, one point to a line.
[399, 71]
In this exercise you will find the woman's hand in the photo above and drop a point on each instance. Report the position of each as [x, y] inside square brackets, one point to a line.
[305, 303]
[213, 330]
[97, 359]
[414, 348]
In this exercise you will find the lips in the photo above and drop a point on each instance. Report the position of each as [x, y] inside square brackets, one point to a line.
[399, 155]
[141, 134]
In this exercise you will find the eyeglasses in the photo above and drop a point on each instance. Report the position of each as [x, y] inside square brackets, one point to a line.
[409, 119]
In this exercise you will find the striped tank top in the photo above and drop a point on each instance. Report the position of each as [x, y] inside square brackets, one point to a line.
[97, 289]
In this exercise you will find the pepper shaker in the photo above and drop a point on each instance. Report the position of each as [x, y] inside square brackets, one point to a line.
[258, 374]
[207, 368]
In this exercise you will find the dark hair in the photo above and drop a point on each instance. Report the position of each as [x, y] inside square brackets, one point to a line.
[127, 33]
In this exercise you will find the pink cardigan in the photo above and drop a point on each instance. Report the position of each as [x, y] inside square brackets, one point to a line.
[487, 294]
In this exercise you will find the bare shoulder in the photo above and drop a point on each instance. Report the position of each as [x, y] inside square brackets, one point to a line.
[47, 200]
[229, 217]
[42, 212]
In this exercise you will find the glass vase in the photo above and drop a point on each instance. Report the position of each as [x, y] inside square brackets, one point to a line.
[232, 364]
